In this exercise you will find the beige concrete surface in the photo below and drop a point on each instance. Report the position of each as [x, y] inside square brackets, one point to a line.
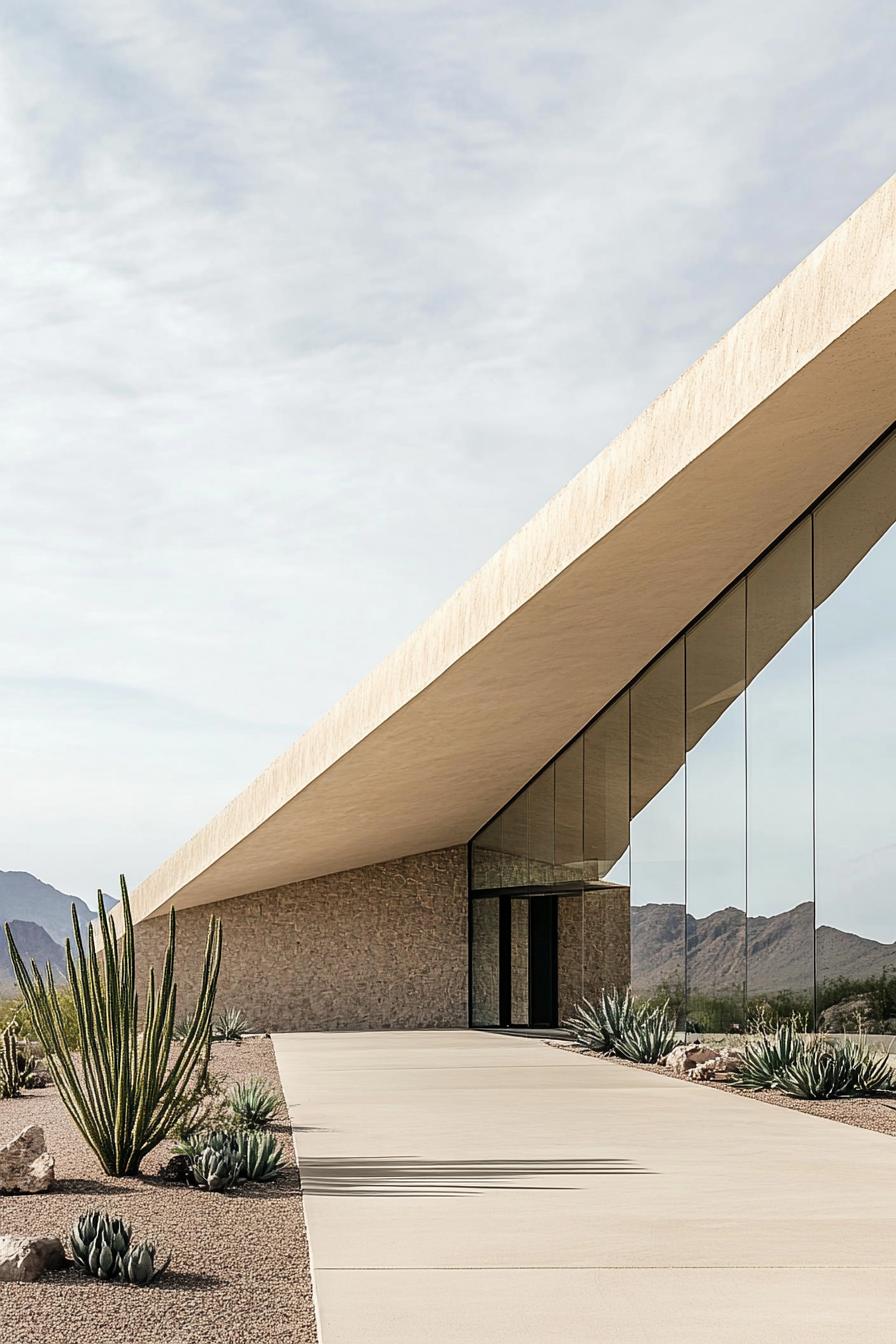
[436, 739]
[481, 1188]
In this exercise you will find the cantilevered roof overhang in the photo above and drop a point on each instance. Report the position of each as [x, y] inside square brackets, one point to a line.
[431, 744]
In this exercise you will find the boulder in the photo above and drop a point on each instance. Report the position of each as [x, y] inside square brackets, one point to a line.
[684, 1058]
[24, 1259]
[26, 1167]
[848, 1015]
[702, 1061]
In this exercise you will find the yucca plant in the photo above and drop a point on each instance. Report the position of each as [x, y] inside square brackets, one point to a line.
[124, 1094]
[231, 1025]
[101, 1247]
[599, 1026]
[648, 1038]
[766, 1059]
[260, 1154]
[253, 1103]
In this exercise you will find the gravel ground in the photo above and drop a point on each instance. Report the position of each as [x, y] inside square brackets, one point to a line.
[876, 1113]
[239, 1269]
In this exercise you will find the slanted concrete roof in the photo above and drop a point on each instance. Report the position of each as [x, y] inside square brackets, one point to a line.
[427, 747]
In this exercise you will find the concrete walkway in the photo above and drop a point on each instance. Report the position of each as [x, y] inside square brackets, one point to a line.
[478, 1188]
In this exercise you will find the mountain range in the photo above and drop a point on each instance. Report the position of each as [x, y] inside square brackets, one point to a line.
[40, 919]
[780, 949]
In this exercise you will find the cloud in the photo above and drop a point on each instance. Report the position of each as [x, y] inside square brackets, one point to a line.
[307, 308]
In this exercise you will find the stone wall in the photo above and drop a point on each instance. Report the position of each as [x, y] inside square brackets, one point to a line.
[376, 947]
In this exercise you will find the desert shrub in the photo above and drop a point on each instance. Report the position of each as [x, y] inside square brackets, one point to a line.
[124, 1093]
[102, 1247]
[772, 1009]
[231, 1025]
[18, 1067]
[206, 1106]
[879, 989]
[17, 1010]
[253, 1103]
[648, 1038]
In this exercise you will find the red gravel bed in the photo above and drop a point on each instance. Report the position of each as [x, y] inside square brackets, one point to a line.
[239, 1269]
[875, 1113]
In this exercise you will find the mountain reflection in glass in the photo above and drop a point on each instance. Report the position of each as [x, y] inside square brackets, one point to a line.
[855, 739]
[715, 670]
[739, 796]
[780, 923]
[657, 831]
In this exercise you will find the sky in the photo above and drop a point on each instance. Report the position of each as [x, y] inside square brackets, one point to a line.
[307, 307]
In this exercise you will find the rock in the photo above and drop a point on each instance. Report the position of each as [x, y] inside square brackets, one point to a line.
[26, 1167]
[24, 1259]
[684, 1058]
[848, 1015]
[176, 1169]
[703, 1061]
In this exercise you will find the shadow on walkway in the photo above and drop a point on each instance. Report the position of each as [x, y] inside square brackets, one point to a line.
[405, 1177]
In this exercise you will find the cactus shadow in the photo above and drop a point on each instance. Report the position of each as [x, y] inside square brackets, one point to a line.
[182, 1281]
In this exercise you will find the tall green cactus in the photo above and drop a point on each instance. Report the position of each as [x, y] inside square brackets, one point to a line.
[123, 1092]
[10, 1073]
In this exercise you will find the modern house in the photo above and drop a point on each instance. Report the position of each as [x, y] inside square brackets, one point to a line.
[652, 740]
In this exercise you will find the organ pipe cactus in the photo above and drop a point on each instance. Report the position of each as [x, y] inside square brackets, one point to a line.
[125, 1092]
[17, 1068]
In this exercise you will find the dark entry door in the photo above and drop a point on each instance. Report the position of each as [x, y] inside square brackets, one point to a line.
[542, 961]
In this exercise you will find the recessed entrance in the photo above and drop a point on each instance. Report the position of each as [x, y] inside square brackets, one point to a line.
[535, 954]
[514, 948]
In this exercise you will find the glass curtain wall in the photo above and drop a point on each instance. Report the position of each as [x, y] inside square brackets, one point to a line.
[734, 808]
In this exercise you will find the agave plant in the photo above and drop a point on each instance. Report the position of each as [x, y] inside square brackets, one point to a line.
[648, 1038]
[253, 1103]
[216, 1170]
[125, 1094]
[261, 1155]
[231, 1025]
[827, 1069]
[768, 1058]
[101, 1247]
[214, 1160]
[598, 1027]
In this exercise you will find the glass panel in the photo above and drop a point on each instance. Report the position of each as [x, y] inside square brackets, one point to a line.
[568, 786]
[781, 915]
[716, 816]
[519, 961]
[515, 843]
[487, 857]
[657, 830]
[540, 796]
[855, 738]
[606, 790]
[569, 954]
[485, 1001]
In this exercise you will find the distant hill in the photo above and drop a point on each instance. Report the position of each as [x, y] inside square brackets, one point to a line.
[32, 942]
[780, 949]
[25, 897]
